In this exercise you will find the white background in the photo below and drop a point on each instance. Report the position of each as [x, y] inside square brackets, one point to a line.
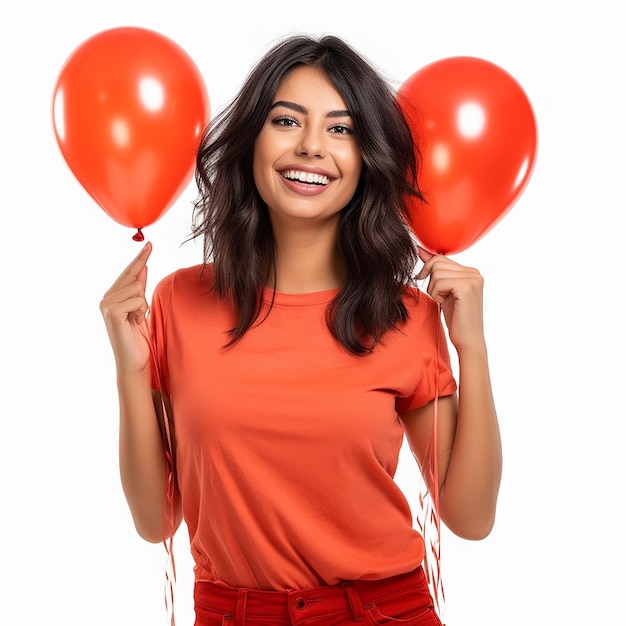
[554, 309]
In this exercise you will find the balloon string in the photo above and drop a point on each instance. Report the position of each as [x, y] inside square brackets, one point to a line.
[138, 236]
[170, 485]
[428, 519]
[169, 529]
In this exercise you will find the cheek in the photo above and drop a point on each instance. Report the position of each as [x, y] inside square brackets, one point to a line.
[260, 168]
[353, 164]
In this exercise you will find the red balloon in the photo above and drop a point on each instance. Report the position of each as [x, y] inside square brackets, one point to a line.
[478, 138]
[129, 107]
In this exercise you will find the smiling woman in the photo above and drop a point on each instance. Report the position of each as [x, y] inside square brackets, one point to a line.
[306, 159]
[292, 362]
[306, 168]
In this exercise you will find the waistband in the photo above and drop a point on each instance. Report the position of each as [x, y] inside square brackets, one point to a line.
[301, 604]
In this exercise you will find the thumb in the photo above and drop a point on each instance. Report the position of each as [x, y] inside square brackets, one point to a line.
[424, 254]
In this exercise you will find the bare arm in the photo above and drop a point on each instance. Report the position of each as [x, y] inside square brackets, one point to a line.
[143, 468]
[469, 446]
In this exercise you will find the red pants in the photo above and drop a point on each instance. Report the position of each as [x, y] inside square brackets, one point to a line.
[403, 599]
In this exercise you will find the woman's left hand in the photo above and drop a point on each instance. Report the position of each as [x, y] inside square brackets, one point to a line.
[459, 291]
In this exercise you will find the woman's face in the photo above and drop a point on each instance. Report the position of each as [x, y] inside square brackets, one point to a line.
[306, 160]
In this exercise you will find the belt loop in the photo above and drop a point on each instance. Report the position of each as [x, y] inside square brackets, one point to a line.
[240, 611]
[356, 606]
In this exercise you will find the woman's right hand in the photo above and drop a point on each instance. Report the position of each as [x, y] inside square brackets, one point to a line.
[124, 307]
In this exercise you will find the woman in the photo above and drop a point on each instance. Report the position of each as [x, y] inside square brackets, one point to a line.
[295, 358]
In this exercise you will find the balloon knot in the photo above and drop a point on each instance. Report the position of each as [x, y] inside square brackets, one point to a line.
[138, 236]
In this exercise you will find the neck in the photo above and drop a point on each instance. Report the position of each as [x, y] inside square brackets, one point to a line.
[307, 260]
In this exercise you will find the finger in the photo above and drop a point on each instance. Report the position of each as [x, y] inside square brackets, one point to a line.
[454, 273]
[140, 313]
[424, 254]
[440, 263]
[133, 269]
[142, 277]
[425, 257]
[459, 286]
[116, 305]
[139, 262]
[132, 310]
[135, 289]
[430, 261]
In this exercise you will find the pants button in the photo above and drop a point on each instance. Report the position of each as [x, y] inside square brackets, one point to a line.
[300, 603]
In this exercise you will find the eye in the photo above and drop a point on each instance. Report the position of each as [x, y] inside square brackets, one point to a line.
[284, 120]
[341, 129]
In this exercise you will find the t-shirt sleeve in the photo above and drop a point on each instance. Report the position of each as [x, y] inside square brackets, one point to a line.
[157, 324]
[431, 359]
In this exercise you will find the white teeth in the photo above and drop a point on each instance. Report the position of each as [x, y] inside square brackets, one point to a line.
[306, 177]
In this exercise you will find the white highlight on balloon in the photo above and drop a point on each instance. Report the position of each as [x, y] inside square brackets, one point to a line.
[521, 174]
[59, 114]
[151, 93]
[471, 120]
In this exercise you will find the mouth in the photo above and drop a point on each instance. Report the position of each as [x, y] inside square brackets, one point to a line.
[308, 178]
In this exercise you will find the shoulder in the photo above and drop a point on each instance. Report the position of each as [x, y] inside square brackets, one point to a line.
[419, 304]
[424, 319]
[194, 277]
[183, 286]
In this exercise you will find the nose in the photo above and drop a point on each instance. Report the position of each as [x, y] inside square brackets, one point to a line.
[311, 142]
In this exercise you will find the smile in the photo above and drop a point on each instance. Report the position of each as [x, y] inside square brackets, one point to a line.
[305, 177]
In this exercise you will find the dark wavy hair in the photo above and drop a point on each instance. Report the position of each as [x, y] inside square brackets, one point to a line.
[373, 242]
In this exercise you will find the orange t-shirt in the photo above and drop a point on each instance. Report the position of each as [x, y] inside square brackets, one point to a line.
[287, 444]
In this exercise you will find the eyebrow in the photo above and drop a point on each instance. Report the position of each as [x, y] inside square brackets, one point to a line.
[300, 109]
